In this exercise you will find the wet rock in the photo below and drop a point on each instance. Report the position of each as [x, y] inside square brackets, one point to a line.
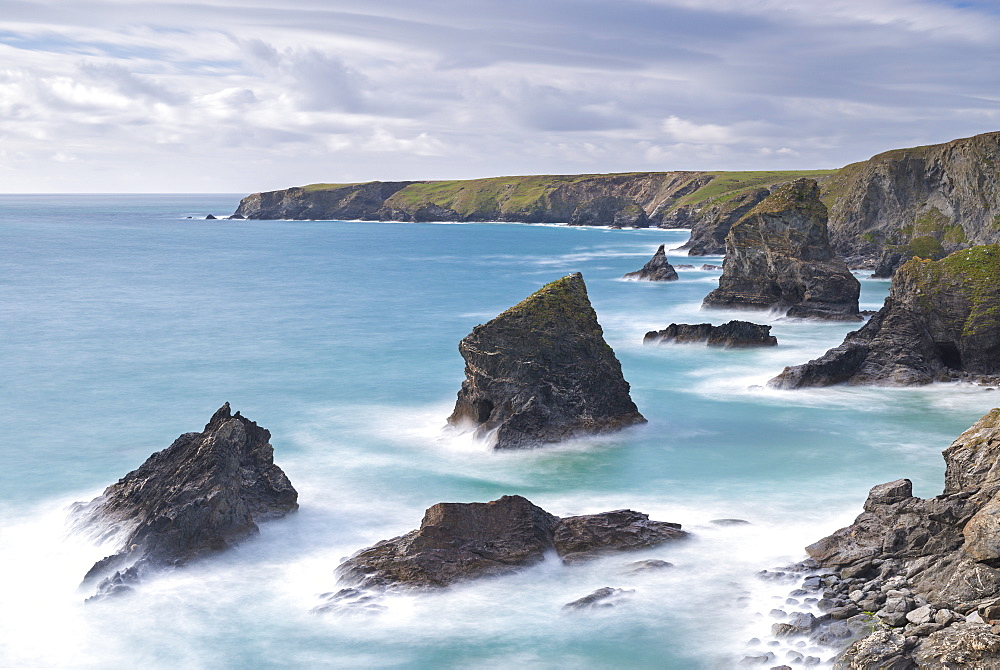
[778, 256]
[734, 334]
[730, 522]
[938, 324]
[541, 372]
[349, 601]
[648, 565]
[203, 494]
[584, 537]
[461, 541]
[657, 269]
[601, 598]
[709, 266]
[758, 659]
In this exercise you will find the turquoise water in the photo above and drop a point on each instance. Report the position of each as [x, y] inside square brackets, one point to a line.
[124, 324]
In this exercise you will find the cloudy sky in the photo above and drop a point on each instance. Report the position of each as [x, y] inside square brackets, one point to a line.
[248, 95]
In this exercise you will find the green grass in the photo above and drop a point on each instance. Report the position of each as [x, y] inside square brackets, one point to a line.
[312, 188]
[726, 185]
[975, 272]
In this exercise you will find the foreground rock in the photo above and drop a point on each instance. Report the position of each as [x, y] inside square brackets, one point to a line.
[657, 269]
[735, 334]
[461, 541]
[940, 322]
[541, 372]
[929, 569]
[203, 494]
[778, 256]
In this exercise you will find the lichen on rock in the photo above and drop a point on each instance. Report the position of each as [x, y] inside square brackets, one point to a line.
[778, 256]
[542, 372]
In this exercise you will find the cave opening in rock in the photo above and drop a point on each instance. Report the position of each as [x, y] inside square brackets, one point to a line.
[483, 408]
[949, 355]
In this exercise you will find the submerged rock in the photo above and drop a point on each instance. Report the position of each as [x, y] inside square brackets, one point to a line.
[541, 372]
[920, 564]
[941, 321]
[657, 269]
[203, 494]
[730, 334]
[601, 598]
[778, 256]
[461, 541]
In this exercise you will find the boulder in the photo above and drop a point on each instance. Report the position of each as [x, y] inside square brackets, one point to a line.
[731, 334]
[941, 321]
[778, 256]
[541, 372]
[203, 494]
[657, 269]
[461, 541]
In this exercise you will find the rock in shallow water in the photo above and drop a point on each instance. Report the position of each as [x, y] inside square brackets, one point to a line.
[203, 494]
[601, 598]
[657, 269]
[733, 334]
[541, 372]
[461, 541]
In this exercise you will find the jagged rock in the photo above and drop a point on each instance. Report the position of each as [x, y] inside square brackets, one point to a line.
[461, 541]
[601, 598]
[778, 256]
[884, 649]
[210, 217]
[940, 321]
[930, 559]
[203, 494]
[711, 224]
[584, 537]
[730, 334]
[657, 269]
[541, 372]
[609, 210]
[888, 263]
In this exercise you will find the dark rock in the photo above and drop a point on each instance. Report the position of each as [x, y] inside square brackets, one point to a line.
[584, 537]
[731, 334]
[778, 256]
[684, 266]
[647, 566]
[657, 269]
[610, 210]
[203, 494]
[210, 217]
[236, 217]
[541, 372]
[730, 522]
[711, 223]
[708, 266]
[601, 598]
[888, 263]
[461, 541]
[940, 322]
[349, 601]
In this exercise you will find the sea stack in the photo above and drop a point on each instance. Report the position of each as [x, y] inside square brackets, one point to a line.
[927, 568]
[541, 372]
[461, 541]
[778, 256]
[657, 269]
[733, 334]
[201, 495]
[940, 322]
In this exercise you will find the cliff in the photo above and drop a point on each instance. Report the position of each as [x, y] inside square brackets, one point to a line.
[941, 321]
[778, 256]
[541, 372]
[202, 494]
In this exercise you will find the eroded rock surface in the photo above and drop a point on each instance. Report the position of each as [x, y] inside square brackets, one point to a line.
[541, 372]
[203, 494]
[461, 541]
[657, 269]
[940, 322]
[778, 256]
[929, 569]
[730, 334]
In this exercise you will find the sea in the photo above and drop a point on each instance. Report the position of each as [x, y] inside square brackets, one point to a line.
[127, 320]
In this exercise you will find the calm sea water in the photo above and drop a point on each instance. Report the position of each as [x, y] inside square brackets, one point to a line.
[124, 324]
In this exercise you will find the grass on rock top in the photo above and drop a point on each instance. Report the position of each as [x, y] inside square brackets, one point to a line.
[976, 270]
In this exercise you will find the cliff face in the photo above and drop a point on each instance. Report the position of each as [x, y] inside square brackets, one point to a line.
[541, 372]
[941, 321]
[925, 201]
[778, 256]
[711, 223]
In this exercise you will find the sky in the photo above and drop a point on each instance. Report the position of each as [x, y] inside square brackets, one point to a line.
[238, 96]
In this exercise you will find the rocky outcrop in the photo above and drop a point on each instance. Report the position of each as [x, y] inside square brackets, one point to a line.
[940, 322]
[928, 568]
[657, 269]
[778, 256]
[541, 372]
[925, 201]
[730, 334]
[711, 223]
[321, 202]
[461, 541]
[203, 494]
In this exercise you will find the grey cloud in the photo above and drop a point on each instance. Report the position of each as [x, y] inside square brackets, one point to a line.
[130, 84]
